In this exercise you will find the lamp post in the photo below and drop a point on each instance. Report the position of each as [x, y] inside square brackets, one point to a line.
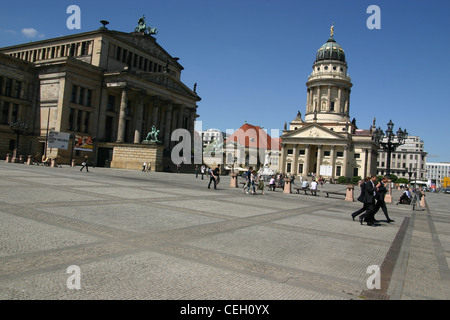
[19, 128]
[389, 142]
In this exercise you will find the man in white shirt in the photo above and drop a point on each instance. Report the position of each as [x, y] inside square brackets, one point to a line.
[313, 187]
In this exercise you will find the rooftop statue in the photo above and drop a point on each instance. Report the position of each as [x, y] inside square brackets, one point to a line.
[142, 27]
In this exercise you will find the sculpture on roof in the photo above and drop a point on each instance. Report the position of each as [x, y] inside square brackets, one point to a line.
[142, 27]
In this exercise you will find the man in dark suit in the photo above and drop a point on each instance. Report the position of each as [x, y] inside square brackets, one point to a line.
[361, 199]
[381, 193]
[369, 200]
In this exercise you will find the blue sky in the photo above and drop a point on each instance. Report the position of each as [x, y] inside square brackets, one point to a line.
[252, 58]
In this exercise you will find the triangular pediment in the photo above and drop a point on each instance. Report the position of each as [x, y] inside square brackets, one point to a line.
[313, 131]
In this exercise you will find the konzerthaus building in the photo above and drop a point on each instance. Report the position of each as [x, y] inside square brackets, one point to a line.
[327, 143]
[109, 86]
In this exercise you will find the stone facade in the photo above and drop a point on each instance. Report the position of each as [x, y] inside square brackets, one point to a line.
[108, 85]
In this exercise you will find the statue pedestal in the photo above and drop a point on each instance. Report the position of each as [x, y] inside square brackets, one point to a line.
[234, 180]
[287, 186]
[422, 202]
[349, 194]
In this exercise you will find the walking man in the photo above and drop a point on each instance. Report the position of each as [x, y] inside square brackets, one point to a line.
[85, 164]
[381, 193]
[214, 177]
[369, 199]
[361, 199]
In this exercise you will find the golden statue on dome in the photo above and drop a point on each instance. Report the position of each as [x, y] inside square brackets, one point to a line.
[332, 31]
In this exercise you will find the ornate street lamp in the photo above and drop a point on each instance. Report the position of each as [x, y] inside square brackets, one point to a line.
[19, 128]
[390, 141]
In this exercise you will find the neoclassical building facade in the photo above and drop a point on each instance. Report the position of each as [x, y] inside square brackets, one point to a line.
[108, 85]
[326, 142]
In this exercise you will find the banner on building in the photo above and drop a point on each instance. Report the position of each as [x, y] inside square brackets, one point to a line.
[58, 140]
[83, 143]
[326, 170]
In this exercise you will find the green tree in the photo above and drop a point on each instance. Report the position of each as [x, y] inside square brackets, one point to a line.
[393, 177]
[342, 180]
[355, 180]
[402, 180]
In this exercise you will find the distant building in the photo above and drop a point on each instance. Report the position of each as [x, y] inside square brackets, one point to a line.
[409, 158]
[327, 143]
[110, 86]
[249, 145]
[437, 171]
[213, 135]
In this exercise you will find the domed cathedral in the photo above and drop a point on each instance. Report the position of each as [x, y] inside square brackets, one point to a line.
[327, 143]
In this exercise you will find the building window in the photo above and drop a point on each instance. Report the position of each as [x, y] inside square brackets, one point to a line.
[355, 172]
[86, 122]
[73, 98]
[81, 97]
[111, 102]
[15, 113]
[300, 168]
[17, 89]
[357, 156]
[118, 53]
[340, 154]
[5, 112]
[301, 152]
[332, 106]
[12, 145]
[89, 98]
[70, 126]
[290, 151]
[8, 87]
[288, 168]
[326, 153]
[338, 171]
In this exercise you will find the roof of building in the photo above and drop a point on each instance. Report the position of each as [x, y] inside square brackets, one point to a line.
[331, 50]
[251, 136]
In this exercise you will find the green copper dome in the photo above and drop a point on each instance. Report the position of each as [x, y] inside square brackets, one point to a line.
[330, 51]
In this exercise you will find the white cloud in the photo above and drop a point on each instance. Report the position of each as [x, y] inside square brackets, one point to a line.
[29, 32]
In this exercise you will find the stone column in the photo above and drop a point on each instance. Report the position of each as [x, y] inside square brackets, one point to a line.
[319, 159]
[344, 169]
[369, 162]
[180, 117]
[102, 115]
[167, 126]
[138, 118]
[308, 100]
[295, 160]
[333, 161]
[329, 99]
[306, 167]
[340, 100]
[319, 99]
[122, 114]
[282, 166]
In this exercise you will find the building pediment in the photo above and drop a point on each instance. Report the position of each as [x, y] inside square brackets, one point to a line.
[145, 43]
[313, 131]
